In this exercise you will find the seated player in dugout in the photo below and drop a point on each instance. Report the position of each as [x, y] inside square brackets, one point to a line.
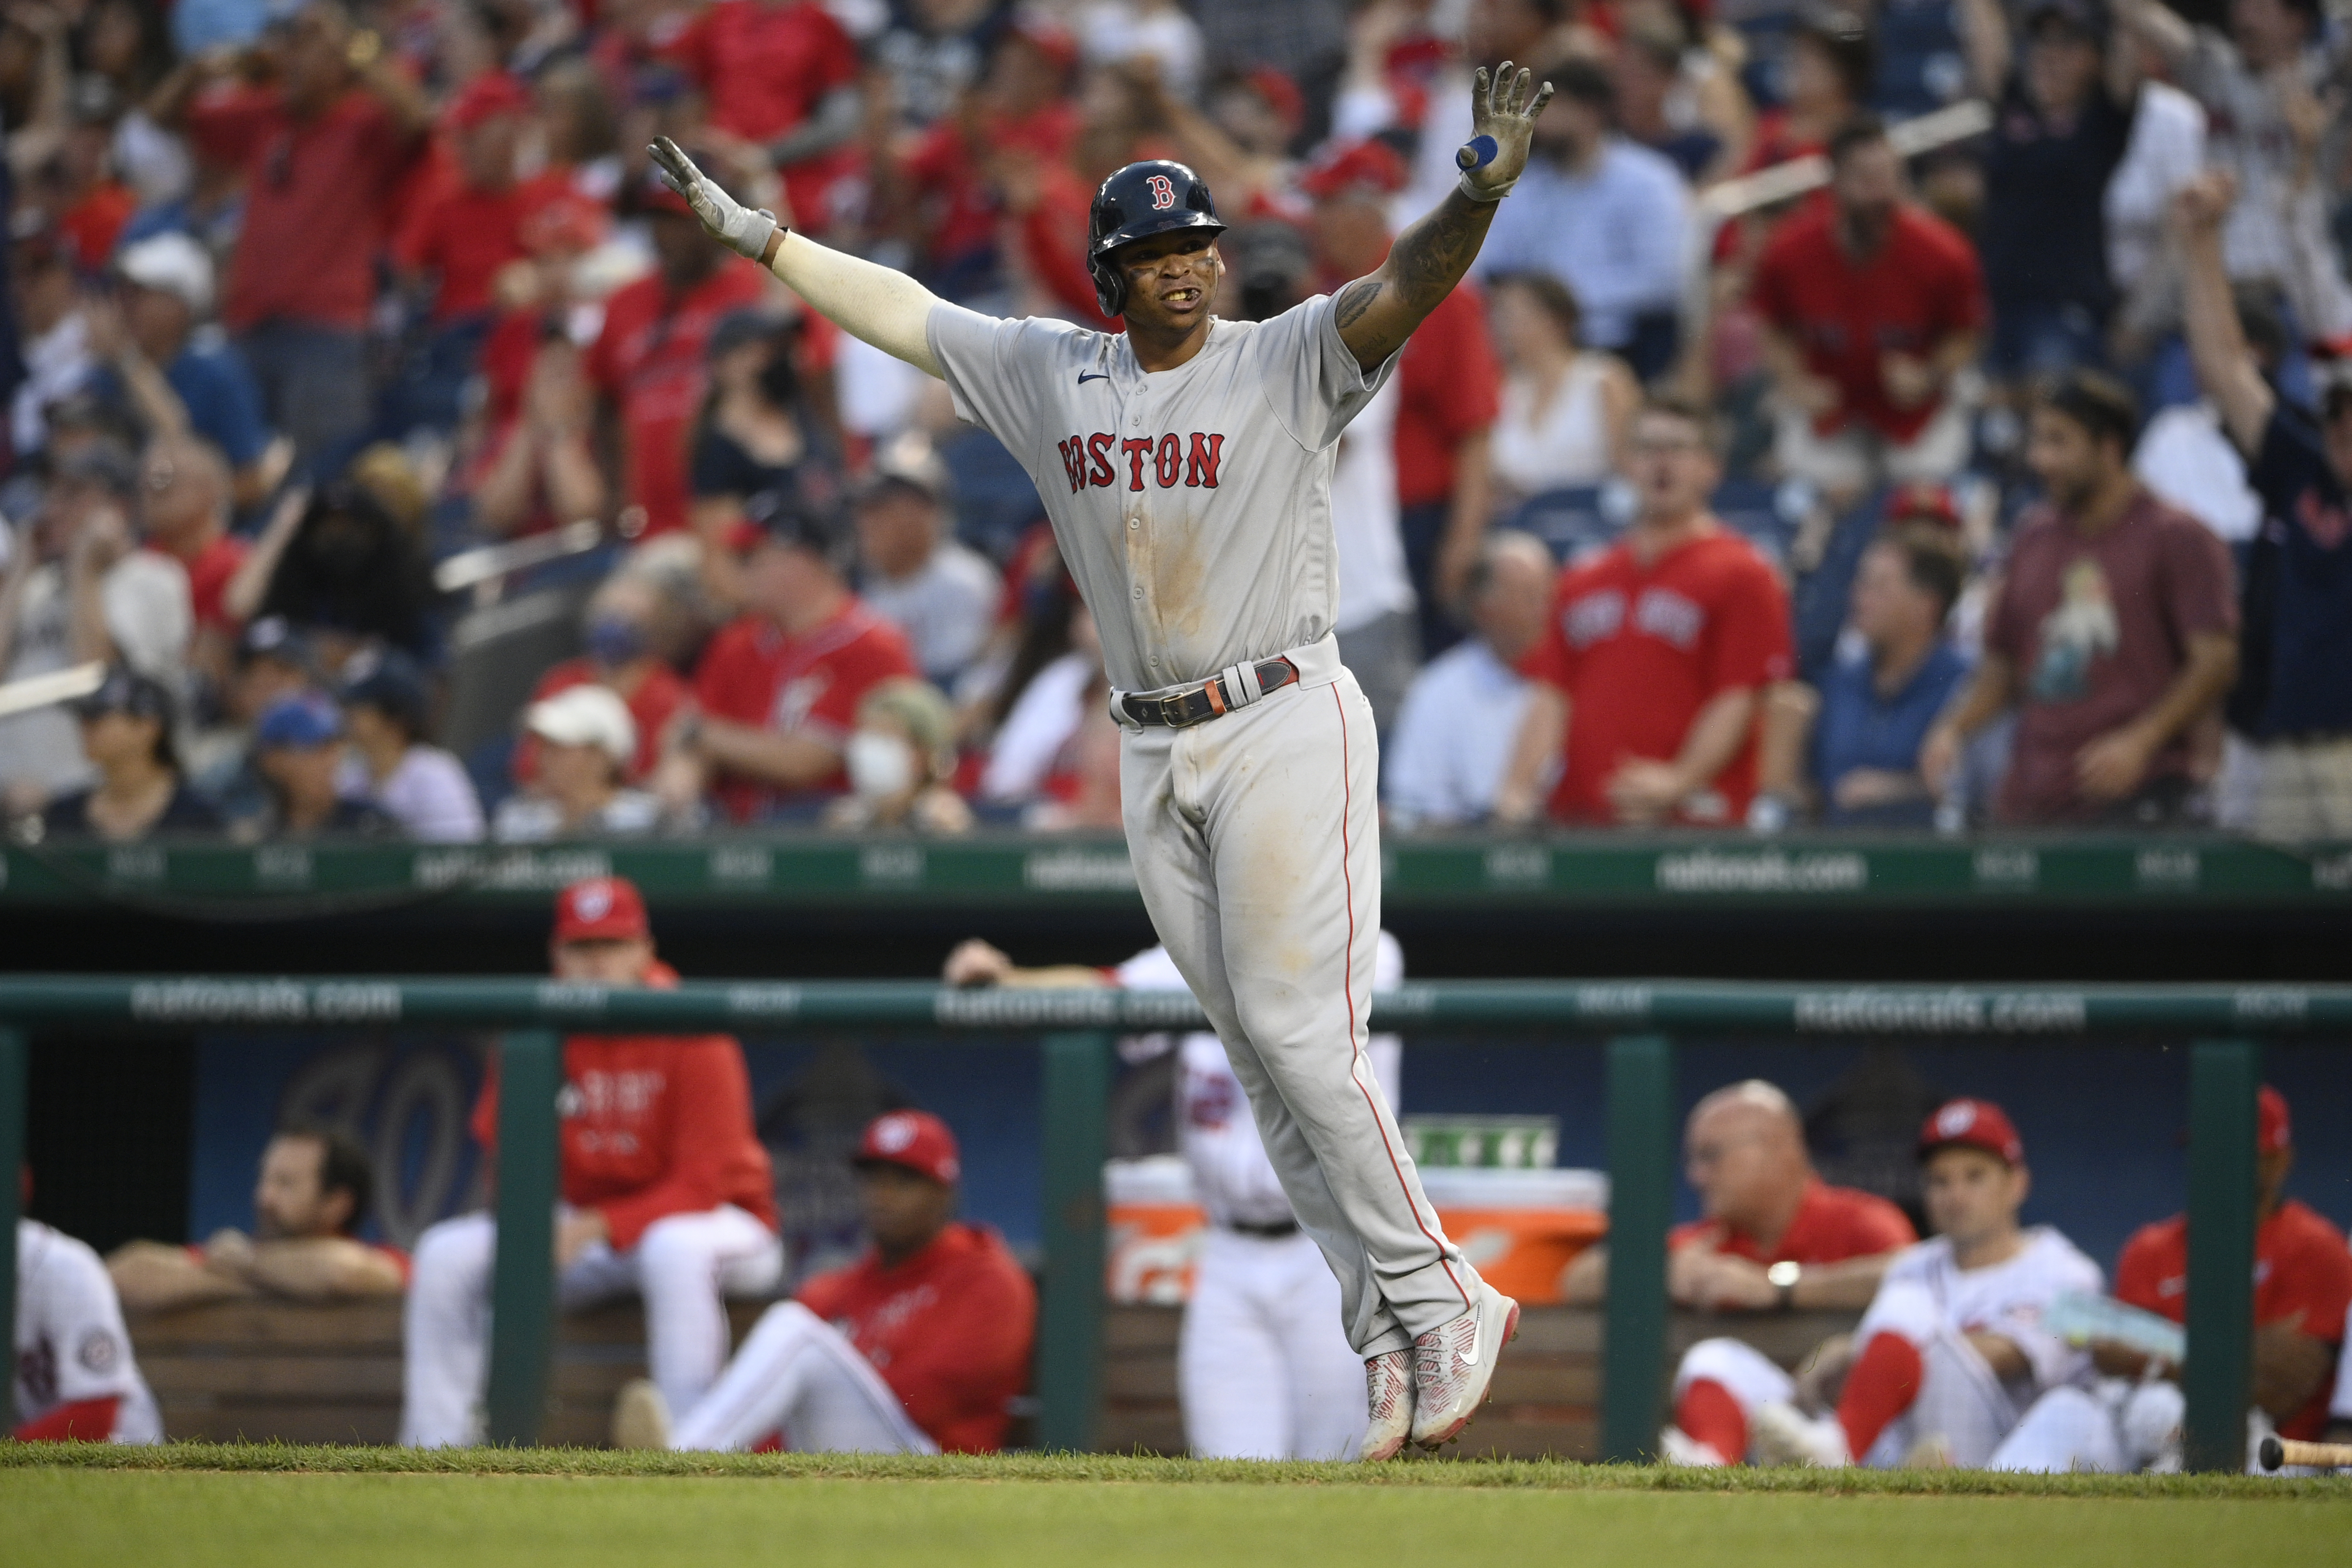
[2131, 1420]
[1772, 1236]
[1264, 1369]
[665, 1191]
[308, 1203]
[1952, 1350]
[918, 1347]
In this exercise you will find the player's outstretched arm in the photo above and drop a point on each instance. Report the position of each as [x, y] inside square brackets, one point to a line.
[878, 304]
[1378, 313]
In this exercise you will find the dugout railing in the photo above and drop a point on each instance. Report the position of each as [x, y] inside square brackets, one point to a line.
[1635, 1023]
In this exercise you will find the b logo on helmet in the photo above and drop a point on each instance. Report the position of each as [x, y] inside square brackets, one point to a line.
[1163, 192]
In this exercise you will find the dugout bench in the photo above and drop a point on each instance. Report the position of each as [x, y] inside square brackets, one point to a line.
[1078, 1029]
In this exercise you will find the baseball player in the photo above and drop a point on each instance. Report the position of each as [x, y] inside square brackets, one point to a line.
[918, 1346]
[1186, 465]
[76, 1377]
[2302, 1283]
[1262, 1369]
[666, 1191]
[1953, 1349]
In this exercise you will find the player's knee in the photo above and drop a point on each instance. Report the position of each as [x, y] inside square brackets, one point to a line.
[452, 1254]
[1743, 1371]
[1905, 1311]
[675, 1245]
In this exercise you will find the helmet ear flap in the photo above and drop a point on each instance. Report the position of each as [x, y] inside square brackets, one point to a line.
[1110, 283]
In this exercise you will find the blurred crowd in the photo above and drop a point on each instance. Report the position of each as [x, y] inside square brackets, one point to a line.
[388, 451]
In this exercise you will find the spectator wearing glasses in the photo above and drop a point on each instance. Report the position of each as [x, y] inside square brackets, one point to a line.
[323, 148]
[126, 733]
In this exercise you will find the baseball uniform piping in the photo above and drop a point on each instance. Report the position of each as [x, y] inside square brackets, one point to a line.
[1348, 880]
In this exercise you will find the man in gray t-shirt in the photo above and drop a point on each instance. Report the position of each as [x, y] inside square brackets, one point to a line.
[1186, 464]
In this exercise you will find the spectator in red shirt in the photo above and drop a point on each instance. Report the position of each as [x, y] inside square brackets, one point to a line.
[2303, 1284]
[618, 633]
[324, 149]
[1869, 307]
[778, 689]
[2114, 635]
[666, 1191]
[462, 232]
[649, 360]
[1658, 656]
[917, 1347]
[780, 77]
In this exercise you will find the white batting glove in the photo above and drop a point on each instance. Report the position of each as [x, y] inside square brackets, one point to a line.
[743, 230]
[1503, 112]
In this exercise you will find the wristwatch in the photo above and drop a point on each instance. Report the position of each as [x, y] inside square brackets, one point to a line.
[1782, 1276]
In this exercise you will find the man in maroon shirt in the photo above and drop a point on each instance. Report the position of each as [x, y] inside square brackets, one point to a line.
[324, 149]
[1870, 306]
[918, 1346]
[2115, 633]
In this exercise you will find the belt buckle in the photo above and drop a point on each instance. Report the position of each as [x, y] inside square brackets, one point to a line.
[1172, 711]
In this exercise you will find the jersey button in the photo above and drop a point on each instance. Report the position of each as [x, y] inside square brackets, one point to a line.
[1138, 593]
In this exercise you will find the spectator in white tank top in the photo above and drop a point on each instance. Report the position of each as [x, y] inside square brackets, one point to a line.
[1565, 410]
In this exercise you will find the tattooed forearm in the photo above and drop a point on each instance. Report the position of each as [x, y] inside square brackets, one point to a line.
[1375, 315]
[1430, 257]
[1355, 299]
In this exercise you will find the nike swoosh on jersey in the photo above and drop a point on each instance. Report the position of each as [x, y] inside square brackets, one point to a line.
[1086, 376]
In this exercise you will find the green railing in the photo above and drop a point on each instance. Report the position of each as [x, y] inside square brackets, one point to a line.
[1660, 869]
[1637, 1020]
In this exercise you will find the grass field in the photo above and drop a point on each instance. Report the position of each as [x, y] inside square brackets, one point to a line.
[235, 1507]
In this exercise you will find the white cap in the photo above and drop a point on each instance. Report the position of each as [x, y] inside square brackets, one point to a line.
[586, 715]
[173, 264]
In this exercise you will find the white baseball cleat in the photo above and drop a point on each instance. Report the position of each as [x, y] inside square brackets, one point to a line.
[1780, 1434]
[1454, 1366]
[1388, 1398]
[1676, 1447]
[640, 1416]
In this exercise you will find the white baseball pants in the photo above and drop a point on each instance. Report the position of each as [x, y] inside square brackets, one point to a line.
[1262, 1368]
[685, 1266]
[1255, 838]
[799, 1375]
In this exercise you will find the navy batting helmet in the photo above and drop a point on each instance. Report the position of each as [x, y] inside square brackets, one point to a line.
[1141, 200]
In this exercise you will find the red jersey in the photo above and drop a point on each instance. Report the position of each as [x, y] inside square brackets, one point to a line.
[318, 195]
[811, 685]
[652, 1125]
[765, 65]
[960, 210]
[1832, 1225]
[1450, 387]
[649, 362]
[464, 237]
[209, 571]
[1923, 286]
[1640, 650]
[95, 222]
[2301, 1268]
[652, 705]
[949, 1331]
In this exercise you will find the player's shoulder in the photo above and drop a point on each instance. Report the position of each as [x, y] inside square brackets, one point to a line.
[1865, 1213]
[1154, 969]
[1045, 341]
[2305, 1230]
[2051, 1248]
[46, 1252]
[2157, 1242]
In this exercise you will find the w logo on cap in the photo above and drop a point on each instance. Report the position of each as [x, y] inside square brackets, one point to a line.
[1955, 1118]
[893, 1134]
[593, 900]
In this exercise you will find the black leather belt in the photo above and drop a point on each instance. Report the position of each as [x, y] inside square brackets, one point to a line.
[1210, 699]
[1273, 1231]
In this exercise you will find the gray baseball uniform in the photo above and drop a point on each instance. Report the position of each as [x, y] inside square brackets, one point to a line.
[1194, 508]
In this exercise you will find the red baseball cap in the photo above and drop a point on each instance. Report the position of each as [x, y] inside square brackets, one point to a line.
[916, 1140]
[601, 909]
[1281, 93]
[1368, 165]
[1924, 501]
[1976, 1125]
[491, 94]
[2273, 1130]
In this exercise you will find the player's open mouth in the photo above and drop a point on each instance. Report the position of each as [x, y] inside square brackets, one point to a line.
[1181, 296]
